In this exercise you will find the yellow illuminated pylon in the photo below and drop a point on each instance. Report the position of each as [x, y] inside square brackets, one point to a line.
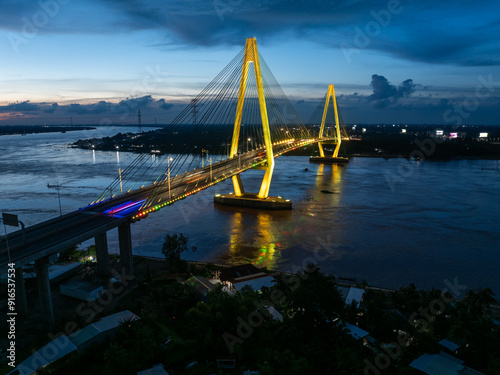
[252, 56]
[330, 93]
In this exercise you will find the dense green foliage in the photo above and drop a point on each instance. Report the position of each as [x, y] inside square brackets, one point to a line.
[177, 329]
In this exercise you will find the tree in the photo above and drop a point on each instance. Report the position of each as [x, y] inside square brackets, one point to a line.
[116, 359]
[173, 247]
[71, 254]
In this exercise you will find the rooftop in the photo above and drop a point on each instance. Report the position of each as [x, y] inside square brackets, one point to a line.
[441, 364]
[155, 370]
[355, 331]
[255, 284]
[239, 272]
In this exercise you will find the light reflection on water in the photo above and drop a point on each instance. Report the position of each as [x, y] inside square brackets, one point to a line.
[439, 222]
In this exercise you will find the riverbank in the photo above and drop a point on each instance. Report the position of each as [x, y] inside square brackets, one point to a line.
[37, 129]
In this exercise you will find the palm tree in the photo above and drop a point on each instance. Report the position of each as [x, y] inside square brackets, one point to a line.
[461, 328]
[485, 298]
[142, 343]
[478, 300]
[117, 360]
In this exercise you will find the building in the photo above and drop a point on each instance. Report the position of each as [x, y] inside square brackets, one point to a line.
[240, 272]
[355, 331]
[76, 342]
[255, 284]
[82, 290]
[202, 285]
[53, 351]
[100, 330]
[238, 277]
[442, 364]
[354, 295]
[155, 370]
[450, 346]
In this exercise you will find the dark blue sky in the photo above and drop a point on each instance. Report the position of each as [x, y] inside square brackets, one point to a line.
[391, 61]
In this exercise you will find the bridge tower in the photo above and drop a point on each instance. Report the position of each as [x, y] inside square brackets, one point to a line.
[335, 158]
[240, 197]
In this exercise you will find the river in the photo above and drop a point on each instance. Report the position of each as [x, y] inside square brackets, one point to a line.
[389, 222]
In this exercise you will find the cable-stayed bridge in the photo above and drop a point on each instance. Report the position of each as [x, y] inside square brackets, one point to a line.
[242, 119]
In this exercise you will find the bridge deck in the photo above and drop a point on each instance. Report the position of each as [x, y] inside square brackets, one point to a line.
[58, 234]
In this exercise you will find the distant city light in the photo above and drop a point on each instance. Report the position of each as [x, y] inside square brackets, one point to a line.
[453, 135]
[483, 135]
[439, 132]
[403, 130]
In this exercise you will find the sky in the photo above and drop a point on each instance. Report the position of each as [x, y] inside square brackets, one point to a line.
[396, 61]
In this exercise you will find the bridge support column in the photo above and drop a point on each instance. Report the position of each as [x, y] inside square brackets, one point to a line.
[43, 281]
[125, 238]
[262, 200]
[101, 251]
[335, 159]
[21, 301]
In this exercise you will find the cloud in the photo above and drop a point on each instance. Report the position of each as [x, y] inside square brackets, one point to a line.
[83, 109]
[52, 108]
[136, 103]
[164, 105]
[469, 35]
[111, 112]
[385, 94]
[25, 106]
[406, 88]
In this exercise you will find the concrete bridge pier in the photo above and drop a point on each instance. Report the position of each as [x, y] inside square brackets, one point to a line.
[125, 239]
[21, 300]
[101, 251]
[43, 280]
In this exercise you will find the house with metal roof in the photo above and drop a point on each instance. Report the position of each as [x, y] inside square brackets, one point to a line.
[256, 283]
[53, 351]
[98, 331]
[442, 364]
[354, 295]
[155, 370]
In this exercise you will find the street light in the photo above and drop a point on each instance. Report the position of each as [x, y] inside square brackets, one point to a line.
[117, 154]
[248, 140]
[202, 151]
[57, 187]
[210, 160]
[121, 186]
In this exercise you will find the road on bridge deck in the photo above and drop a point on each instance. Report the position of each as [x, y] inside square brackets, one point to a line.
[68, 230]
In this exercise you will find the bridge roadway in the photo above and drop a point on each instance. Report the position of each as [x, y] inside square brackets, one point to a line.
[56, 235]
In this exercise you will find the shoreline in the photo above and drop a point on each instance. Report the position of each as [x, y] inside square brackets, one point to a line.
[6, 130]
